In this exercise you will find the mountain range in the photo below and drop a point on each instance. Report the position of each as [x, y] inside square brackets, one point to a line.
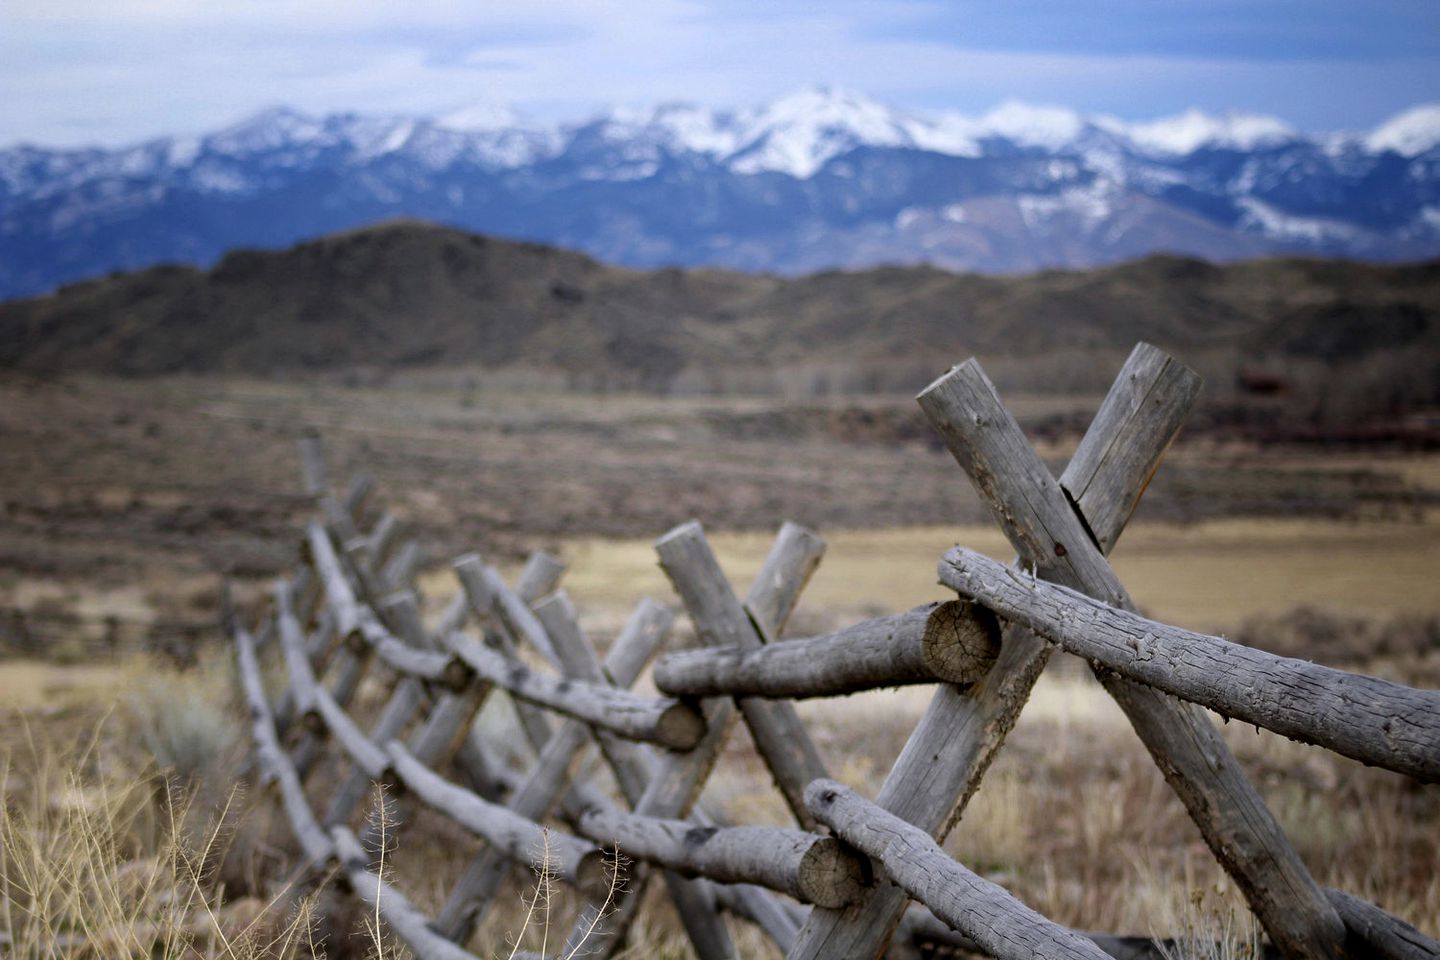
[817, 179]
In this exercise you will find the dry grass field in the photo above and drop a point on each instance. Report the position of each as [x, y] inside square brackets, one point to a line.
[125, 826]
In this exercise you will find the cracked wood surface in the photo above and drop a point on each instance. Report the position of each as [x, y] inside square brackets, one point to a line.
[1374, 721]
[935, 643]
[1040, 521]
[1000, 924]
[947, 754]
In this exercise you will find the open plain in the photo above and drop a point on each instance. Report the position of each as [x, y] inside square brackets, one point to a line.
[126, 501]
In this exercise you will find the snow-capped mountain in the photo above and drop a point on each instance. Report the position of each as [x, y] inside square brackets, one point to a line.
[815, 179]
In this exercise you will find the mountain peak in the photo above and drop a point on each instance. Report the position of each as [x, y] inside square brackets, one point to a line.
[481, 116]
[1187, 132]
[1410, 133]
[266, 130]
[799, 131]
[1032, 125]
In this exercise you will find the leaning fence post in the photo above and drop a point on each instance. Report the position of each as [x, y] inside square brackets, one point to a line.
[549, 776]
[1033, 511]
[679, 776]
[948, 752]
[721, 621]
[628, 760]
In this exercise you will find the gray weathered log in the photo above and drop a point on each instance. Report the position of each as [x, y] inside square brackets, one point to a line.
[936, 643]
[926, 935]
[432, 666]
[1380, 934]
[317, 652]
[320, 644]
[357, 494]
[480, 584]
[1000, 924]
[677, 781]
[297, 662]
[948, 752]
[632, 767]
[400, 709]
[448, 723]
[383, 537]
[536, 795]
[1371, 720]
[722, 621]
[577, 862]
[366, 756]
[406, 922]
[1040, 522]
[513, 611]
[274, 764]
[788, 567]
[349, 669]
[434, 744]
[663, 720]
[456, 612]
[577, 658]
[338, 591]
[399, 571]
[539, 577]
[808, 867]
[338, 520]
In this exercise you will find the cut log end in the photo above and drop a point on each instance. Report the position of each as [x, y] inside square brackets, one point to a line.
[832, 874]
[680, 726]
[961, 641]
[457, 675]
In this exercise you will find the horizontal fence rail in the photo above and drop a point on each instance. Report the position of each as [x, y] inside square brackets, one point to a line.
[837, 883]
[1374, 721]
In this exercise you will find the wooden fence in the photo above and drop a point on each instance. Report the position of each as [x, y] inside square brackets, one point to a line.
[853, 878]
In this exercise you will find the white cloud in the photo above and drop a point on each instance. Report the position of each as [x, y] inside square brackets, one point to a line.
[78, 71]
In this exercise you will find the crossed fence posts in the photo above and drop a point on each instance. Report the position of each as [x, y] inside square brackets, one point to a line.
[982, 652]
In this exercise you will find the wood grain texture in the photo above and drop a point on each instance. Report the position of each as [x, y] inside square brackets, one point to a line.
[1104, 480]
[1040, 521]
[632, 767]
[661, 720]
[807, 866]
[1373, 932]
[947, 754]
[722, 621]
[678, 777]
[535, 796]
[936, 643]
[1368, 719]
[1000, 924]
[577, 862]
[787, 568]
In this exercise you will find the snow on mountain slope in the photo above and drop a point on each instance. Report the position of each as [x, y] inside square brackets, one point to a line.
[1409, 134]
[818, 177]
[1190, 131]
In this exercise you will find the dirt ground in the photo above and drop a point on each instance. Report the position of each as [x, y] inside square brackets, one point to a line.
[122, 502]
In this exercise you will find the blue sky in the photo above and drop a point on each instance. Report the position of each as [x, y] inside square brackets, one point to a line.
[92, 71]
